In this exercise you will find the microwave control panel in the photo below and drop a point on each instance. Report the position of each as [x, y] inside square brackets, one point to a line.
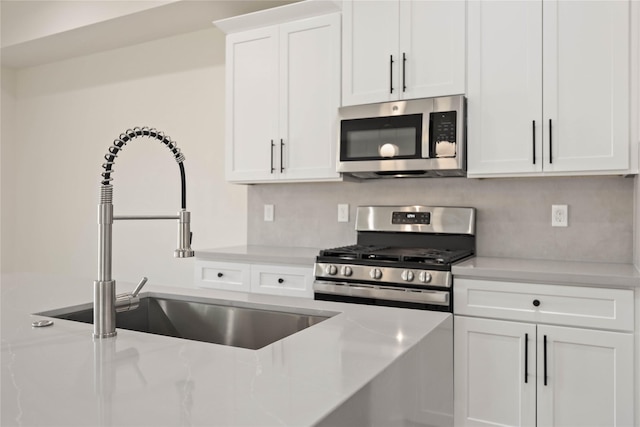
[443, 133]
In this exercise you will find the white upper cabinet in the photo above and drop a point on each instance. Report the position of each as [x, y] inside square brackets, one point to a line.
[586, 85]
[282, 100]
[402, 49]
[252, 104]
[548, 87]
[309, 98]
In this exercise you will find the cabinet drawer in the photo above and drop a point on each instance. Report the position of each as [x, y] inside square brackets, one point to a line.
[222, 275]
[555, 304]
[281, 280]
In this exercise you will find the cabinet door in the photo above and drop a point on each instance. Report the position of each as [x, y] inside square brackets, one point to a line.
[586, 85]
[251, 104]
[370, 51]
[494, 372]
[504, 87]
[432, 48]
[310, 97]
[589, 377]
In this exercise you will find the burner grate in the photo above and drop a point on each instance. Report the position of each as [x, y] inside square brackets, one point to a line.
[351, 251]
[423, 256]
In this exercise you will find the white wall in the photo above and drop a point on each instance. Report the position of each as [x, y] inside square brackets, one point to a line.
[7, 110]
[29, 20]
[67, 115]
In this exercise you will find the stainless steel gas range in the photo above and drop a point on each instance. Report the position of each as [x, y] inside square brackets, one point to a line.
[402, 258]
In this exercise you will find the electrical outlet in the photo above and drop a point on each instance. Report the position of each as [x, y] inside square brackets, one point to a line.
[559, 216]
[269, 212]
[343, 213]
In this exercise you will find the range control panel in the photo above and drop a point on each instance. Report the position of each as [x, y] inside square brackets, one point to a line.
[411, 218]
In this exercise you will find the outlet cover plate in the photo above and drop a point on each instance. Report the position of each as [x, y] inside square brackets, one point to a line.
[559, 216]
[268, 213]
[343, 213]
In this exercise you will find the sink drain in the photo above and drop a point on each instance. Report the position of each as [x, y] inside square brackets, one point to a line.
[42, 323]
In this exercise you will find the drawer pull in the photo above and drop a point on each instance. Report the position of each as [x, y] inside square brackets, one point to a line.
[281, 280]
[536, 303]
[220, 274]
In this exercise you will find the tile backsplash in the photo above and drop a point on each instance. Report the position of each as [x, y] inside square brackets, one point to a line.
[513, 214]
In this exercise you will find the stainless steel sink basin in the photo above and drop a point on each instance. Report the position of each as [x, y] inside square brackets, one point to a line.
[220, 322]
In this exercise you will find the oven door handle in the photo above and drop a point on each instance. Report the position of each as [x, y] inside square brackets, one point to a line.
[387, 293]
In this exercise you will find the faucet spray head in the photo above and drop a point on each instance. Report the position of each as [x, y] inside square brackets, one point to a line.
[184, 235]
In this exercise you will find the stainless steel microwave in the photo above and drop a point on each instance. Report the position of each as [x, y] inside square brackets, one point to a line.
[414, 138]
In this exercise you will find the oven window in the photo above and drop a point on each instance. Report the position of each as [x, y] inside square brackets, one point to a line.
[379, 138]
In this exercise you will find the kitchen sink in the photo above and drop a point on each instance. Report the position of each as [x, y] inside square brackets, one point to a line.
[220, 322]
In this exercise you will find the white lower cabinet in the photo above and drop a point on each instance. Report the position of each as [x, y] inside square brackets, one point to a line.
[589, 377]
[274, 279]
[227, 276]
[528, 373]
[281, 280]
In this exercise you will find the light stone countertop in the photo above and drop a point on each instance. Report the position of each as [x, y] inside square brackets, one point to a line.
[261, 254]
[59, 375]
[554, 272]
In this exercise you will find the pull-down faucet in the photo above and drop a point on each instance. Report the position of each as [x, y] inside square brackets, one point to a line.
[105, 301]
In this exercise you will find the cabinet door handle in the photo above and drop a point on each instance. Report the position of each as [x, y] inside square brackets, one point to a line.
[533, 128]
[526, 358]
[271, 164]
[545, 360]
[404, 71]
[281, 280]
[281, 156]
[390, 73]
[550, 143]
[220, 274]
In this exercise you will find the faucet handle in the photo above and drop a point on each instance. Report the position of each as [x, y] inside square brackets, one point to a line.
[128, 302]
[138, 288]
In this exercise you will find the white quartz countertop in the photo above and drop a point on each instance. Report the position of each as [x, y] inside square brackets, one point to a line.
[541, 271]
[60, 375]
[261, 254]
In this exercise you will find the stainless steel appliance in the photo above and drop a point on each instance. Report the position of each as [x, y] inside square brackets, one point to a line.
[402, 258]
[415, 138]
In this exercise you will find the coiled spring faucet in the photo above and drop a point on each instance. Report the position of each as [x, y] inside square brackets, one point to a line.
[105, 301]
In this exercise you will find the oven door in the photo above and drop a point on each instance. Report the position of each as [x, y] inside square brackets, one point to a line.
[383, 295]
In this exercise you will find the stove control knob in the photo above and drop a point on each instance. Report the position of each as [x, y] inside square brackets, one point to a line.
[424, 277]
[407, 275]
[331, 270]
[375, 273]
[346, 271]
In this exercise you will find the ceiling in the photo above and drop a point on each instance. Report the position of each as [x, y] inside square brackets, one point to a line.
[35, 32]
